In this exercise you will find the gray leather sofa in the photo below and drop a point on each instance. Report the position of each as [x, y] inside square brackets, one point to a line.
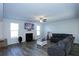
[62, 47]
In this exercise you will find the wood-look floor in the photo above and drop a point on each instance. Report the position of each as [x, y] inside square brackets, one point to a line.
[24, 49]
[32, 49]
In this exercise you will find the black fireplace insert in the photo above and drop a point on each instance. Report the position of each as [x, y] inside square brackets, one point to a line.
[29, 37]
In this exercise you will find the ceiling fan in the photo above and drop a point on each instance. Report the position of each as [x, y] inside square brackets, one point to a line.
[41, 18]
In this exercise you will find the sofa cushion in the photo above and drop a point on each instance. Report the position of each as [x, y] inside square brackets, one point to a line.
[57, 37]
[55, 51]
[61, 44]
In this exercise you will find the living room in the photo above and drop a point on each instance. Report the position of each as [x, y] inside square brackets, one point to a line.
[42, 19]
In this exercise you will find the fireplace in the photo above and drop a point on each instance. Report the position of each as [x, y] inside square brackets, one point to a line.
[29, 37]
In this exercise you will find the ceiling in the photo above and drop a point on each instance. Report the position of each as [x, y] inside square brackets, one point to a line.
[28, 11]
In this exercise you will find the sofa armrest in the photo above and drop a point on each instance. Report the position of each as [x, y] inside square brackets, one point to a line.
[55, 51]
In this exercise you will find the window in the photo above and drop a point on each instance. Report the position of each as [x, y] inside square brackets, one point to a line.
[14, 28]
[38, 30]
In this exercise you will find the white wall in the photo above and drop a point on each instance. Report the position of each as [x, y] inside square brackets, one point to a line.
[1, 22]
[1, 30]
[78, 30]
[64, 26]
[22, 31]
